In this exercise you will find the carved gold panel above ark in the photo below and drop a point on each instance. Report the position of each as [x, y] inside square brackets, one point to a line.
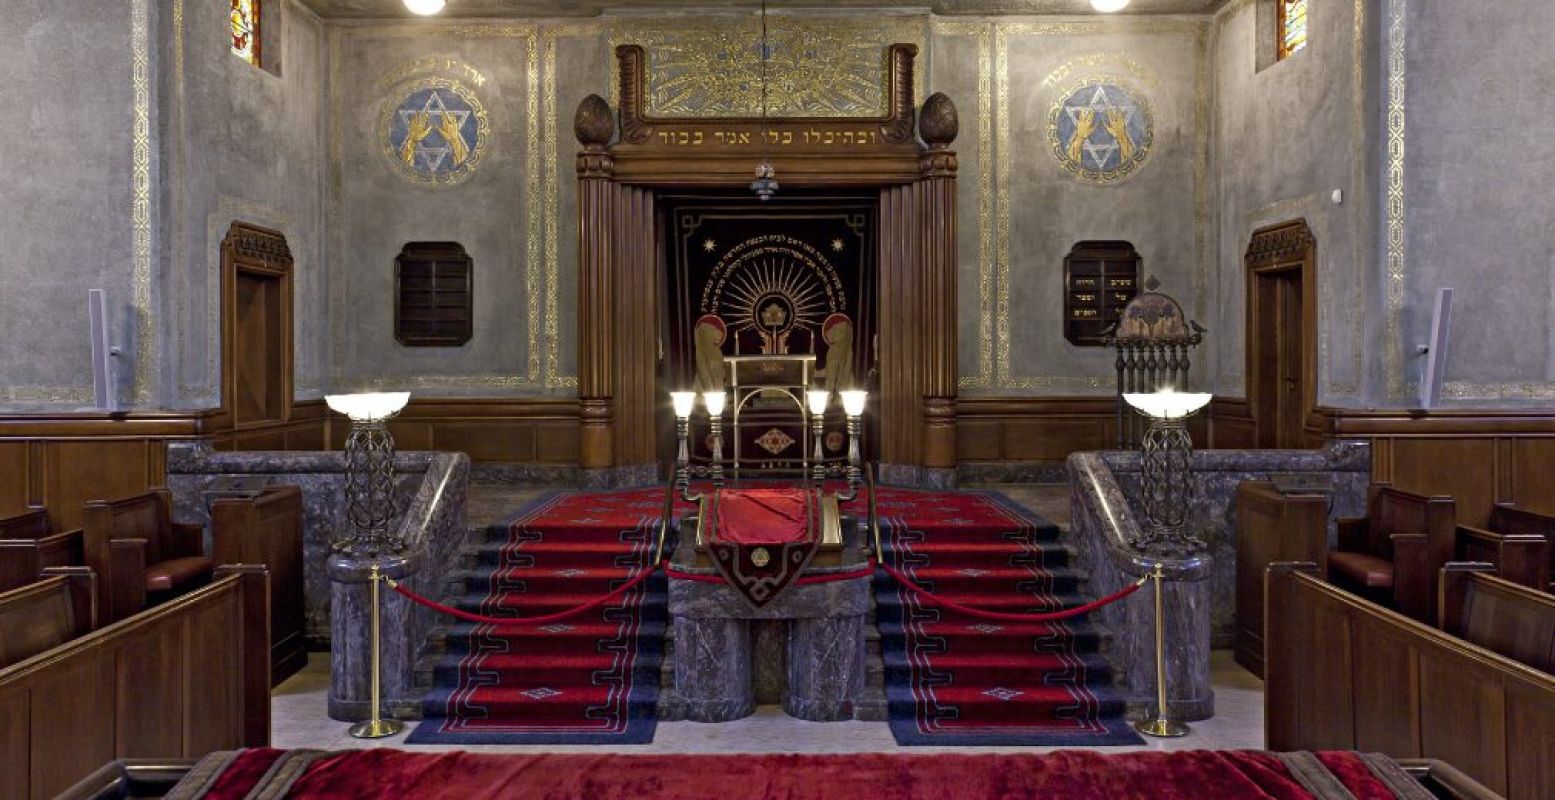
[816, 68]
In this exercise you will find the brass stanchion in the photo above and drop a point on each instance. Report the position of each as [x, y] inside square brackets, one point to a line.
[376, 727]
[1160, 726]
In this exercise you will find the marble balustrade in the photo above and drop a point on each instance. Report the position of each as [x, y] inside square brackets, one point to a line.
[1200, 589]
[432, 524]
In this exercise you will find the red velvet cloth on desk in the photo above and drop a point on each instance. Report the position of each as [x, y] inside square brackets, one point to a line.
[759, 540]
[762, 516]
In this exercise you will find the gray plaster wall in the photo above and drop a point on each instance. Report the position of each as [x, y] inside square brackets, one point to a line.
[1478, 204]
[66, 217]
[243, 144]
[1287, 136]
[498, 213]
[1162, 208]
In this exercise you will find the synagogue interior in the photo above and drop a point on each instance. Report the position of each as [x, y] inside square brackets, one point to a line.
[777, 398]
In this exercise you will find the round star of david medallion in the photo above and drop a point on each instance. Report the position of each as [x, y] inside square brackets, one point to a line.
[434, 131]
[1101, 130]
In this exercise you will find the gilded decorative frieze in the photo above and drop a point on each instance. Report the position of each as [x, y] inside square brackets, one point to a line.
[819, 68]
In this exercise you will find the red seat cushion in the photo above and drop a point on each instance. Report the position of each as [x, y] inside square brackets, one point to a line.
[1362, 569]
[177, 573]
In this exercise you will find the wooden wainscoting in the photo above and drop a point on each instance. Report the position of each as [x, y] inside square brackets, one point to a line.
[1033, 428]
[1043, 429]
[537, 430]
[302, 430]
[1478, 457]
[63, 460]
[1231, 424]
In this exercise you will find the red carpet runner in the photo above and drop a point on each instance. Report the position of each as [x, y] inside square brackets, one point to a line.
[954, 679]
[590, 679]
[1064, 775]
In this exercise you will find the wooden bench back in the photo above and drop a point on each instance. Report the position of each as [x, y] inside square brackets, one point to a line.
[29, 545]
[1393, 511]
[1343, 673]
[33, 524]
[1509, 519]
[268, 530]
[177, 681]
[1498, 615]
[143, 516]
[46, 614]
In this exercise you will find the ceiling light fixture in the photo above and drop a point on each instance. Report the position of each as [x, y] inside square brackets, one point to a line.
[425, 8]
[1109, 6]
[766, 183]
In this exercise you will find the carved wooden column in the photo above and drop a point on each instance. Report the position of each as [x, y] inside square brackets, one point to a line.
[594, 127]
[937, 125]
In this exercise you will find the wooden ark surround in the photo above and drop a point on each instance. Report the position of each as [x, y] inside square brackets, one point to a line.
[621, 261]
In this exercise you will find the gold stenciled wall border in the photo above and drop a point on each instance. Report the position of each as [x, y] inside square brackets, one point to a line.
[1003, 377]
[983, 34]
[540, 210]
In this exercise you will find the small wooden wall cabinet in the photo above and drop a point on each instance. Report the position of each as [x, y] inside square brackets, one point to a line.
[1270, 527]
[267, 529]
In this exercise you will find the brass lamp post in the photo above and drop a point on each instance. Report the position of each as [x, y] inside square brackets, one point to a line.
[371, 506]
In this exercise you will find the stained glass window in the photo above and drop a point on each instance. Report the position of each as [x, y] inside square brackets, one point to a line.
[245, 30]
[1293, 26]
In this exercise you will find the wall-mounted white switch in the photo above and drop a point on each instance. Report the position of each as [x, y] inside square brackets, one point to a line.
[1338, 197]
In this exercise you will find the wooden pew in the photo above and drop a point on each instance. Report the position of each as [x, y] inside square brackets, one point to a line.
[47, 613]
[140, 553]
[1517, 541]
[1497, 614]
[29, 544]
[176, 681]
[267, 530]
[1341, 672]
[1270, 526]
[1393, 554]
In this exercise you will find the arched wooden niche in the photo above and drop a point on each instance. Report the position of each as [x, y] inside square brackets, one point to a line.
[623, 168]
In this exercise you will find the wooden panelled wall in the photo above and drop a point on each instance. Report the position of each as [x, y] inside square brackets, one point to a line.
[63, 460]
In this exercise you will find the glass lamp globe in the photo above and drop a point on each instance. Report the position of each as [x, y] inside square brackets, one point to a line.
[1168, 404]
[715, 403]
[683, 402]
[425, 8]
[368, 406]
[817, 400]
[853, 401]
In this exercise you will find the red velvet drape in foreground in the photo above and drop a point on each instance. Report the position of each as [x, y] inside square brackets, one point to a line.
[1062, 775]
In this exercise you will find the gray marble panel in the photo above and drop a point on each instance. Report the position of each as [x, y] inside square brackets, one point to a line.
[432, 524]
[1199, 592]
[713, 669]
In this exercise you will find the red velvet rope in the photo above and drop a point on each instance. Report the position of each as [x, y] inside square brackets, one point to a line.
[805, 580]
[1051, 616]
[511, 622]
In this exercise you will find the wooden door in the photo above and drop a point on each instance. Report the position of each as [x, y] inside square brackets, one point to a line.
[1281, 322]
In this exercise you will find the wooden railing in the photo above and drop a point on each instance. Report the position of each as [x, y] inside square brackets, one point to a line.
[1342, 673]
[177, 681]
